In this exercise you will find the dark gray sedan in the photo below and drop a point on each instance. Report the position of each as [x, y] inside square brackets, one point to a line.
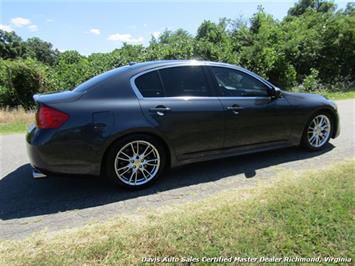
[132, 122]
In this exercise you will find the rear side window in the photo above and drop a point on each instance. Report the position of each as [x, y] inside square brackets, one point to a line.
[184, 81]
[95, 81]
[149, 85]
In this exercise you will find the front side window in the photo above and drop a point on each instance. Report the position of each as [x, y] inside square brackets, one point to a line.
[238, 84]
[184, 81]
[149, 85]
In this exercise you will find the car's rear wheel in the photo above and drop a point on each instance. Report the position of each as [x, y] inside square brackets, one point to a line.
[135, 161]
[317, 132]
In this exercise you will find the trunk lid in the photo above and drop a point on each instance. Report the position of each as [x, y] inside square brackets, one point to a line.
[57, 97]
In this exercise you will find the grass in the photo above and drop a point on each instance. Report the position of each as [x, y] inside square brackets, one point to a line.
[15, 120]
[305, 215]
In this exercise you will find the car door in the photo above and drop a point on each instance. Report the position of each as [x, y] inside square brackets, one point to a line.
[252, 116]
[180, 103]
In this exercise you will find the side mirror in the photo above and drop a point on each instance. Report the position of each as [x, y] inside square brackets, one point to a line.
[276, 93]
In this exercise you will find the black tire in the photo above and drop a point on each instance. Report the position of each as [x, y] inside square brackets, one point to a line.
[305, 143]
[109, 164]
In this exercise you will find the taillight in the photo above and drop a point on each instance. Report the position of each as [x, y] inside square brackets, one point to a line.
[48, 117]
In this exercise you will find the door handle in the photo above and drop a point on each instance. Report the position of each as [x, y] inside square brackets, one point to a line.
[160, 109]
[235, 108]
[99, 126]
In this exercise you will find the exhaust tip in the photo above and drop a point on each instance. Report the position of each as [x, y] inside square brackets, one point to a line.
[38, 174]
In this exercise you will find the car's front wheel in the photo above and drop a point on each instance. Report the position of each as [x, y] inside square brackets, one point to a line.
[317, 132]
[135, 161]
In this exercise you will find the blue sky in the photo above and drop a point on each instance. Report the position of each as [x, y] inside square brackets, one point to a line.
[101, 26]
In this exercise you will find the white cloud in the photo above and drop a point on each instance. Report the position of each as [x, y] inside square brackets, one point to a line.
[95, 31]
[20, 22]
[156, 34]
[33, 28]
[49, 20]
[145, 25]
[5, 28]
[125, 38]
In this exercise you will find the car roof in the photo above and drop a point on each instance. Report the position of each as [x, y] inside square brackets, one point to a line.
[159, 63]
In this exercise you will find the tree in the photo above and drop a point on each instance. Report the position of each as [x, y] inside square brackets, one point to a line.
[41, 50]
[337, 55]
[317, 5]
[71, 70]
[101, 62]
[171, 45]
[18, 82]
[213, 42]
[11, 45]
[259, 46]
[129, 53]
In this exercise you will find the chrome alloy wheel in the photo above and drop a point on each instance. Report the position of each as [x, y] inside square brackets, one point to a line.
[318, 131]
[137, 162]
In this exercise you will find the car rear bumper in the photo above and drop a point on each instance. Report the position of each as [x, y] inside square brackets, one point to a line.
[49, 154]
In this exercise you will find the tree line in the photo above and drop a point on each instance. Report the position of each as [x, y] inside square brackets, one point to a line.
[311, 48]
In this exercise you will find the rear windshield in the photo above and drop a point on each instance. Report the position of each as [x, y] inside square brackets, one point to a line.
[97, 79]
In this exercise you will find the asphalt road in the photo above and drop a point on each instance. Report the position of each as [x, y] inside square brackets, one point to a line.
[28, 205]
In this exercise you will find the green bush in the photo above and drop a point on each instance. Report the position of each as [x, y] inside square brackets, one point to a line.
[311, 82]
[71, 70]
[19, 80]
[25, 82]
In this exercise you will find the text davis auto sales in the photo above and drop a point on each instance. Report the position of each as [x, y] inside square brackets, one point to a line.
[246, 260]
